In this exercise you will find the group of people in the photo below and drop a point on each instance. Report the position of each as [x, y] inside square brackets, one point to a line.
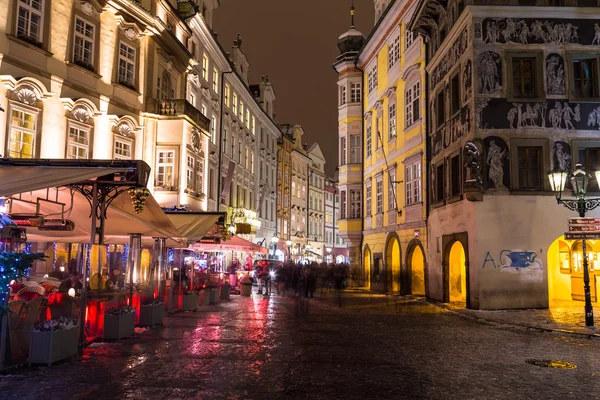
[301, 279]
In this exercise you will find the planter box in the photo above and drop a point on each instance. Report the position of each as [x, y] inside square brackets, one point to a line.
[245, 289]
[212, 296]
[200, 298]
[205, 294]
[50, 347]
[225, 292]
[190, 302]
[151, 315]
[119, 326]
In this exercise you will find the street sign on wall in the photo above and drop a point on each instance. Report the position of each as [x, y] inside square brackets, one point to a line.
[582, 235]
[584, 221]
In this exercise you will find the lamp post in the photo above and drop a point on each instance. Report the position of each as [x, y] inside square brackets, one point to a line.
[274, 241]
[579, 181]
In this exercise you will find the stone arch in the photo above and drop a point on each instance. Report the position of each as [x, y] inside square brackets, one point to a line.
[393, 260]
[416, 265]
[367, 261]
[449, 241]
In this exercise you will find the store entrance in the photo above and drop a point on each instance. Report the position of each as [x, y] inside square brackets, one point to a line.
[457, 273]
[565, 269]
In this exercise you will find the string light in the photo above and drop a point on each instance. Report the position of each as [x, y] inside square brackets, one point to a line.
[55, 247]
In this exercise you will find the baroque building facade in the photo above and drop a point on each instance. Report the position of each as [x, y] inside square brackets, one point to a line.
[137, 80]
[512, 93]
[382, 133]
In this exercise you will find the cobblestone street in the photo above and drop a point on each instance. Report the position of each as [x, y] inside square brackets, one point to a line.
[284, 347]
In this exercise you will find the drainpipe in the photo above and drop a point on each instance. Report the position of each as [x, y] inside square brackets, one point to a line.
[220, 145]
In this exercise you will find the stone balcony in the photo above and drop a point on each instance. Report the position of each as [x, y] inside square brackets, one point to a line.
[182, 108]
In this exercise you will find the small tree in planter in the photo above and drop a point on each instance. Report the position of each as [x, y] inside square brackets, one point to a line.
[151, 312]
[190, 301]
[53, 340]
[12, 267]
[119, 322]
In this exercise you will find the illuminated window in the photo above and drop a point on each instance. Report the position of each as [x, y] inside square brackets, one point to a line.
[215, 81]
[165, 167]
[392, 121]
[22, 134]
[79, 139]
[227, 95]
[234, 104]
[205, 67]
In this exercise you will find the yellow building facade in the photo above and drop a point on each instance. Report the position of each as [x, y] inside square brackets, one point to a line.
[382, 133]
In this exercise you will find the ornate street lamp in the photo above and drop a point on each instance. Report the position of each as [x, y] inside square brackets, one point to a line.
[579, 182]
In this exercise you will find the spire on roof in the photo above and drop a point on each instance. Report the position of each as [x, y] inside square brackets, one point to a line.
[352, 12]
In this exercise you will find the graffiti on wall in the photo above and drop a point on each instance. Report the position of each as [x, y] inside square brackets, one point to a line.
[514, 260]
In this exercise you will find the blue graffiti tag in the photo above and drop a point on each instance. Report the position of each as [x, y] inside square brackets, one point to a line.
[520, 259]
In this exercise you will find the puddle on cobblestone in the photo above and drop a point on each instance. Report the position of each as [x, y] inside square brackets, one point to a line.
[551, 364]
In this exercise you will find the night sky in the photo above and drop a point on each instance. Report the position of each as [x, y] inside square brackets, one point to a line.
[294, 42]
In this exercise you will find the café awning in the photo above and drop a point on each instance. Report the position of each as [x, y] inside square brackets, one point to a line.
[24, 175]
[194, 225]
[236, 243]
[121, 219]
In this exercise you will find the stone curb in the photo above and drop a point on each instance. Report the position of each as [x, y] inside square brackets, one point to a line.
[469, 315]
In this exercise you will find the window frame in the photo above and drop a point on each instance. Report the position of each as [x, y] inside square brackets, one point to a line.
[409, 39]
[409, 103]
[343, 96]
[215, 80]
[127, 60]
[572, 57]
[125, 141]
[515, 144]
[369, 139]
[357, 159]
[455, 193]
[356, 205]
[355, 92]
[538, 56]
[205, 63]
[392, 121]
[392, 201]
[393, 52]
[343, 149]
[80, 62]
[413, 181]
[379, 195]
[576, 147]
[368, 199]
[35, 112]
[173, 183]
[43, 26]
[439, 198]
[455, 98]
[372, 79]
[70, 143]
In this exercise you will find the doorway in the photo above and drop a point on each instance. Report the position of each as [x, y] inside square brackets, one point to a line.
[393, 262]
[457, 274]
[417, 271]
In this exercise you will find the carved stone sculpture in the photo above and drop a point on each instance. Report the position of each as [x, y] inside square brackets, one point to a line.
[474, 163]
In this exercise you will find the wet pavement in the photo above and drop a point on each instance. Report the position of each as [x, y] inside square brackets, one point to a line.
[374, 347]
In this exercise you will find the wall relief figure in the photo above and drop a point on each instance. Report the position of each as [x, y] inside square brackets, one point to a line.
[564, 113]
[477, 28]
[555, 74]
[480, 104]
[594, 118]
[596, 40]
[526, 31]
[473, 162]
[450, 58]
[530, 115]
[436, 143]
[490, 72]
[561, 155]
[467, 81]
[497, 162]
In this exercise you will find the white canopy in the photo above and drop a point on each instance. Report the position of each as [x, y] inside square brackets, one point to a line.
[20, 179]
[121, 220]
[193, 225]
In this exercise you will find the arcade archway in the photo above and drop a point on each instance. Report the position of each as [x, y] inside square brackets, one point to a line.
[417, 271]
[457, 274]
[367, 268]
[565, 269]
[393, 258]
